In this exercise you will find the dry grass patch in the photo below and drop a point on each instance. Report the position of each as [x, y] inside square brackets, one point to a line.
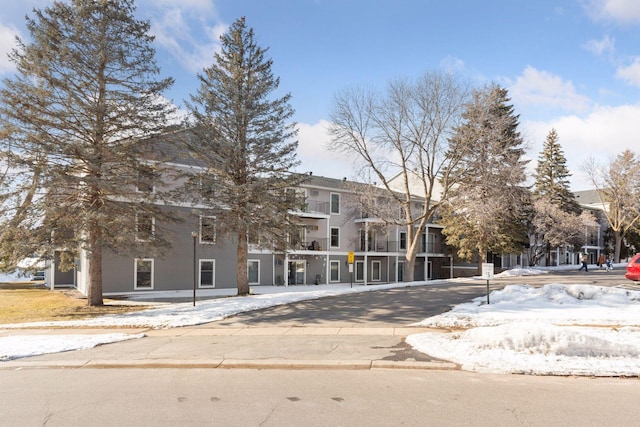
[31, 302]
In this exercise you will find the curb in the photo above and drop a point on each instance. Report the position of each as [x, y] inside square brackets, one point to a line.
[229, 364]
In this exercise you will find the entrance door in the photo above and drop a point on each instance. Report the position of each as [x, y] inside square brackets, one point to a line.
[296, 272]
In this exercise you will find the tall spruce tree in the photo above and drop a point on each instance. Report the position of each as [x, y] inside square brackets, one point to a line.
[552, 176]
[556, 211]
[85, 92]
[243, 137]
[488, 210]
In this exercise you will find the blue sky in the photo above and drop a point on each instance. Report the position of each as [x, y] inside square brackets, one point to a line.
[569, 65]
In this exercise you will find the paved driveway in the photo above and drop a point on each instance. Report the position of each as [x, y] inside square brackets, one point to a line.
[404, 306]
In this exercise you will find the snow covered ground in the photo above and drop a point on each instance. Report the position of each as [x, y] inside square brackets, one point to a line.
[553, 330]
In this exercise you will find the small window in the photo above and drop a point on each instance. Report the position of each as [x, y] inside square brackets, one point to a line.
[146, 179]
[335, 271]
[207, 229]
[403, 240]
[143, 273]
[207, 188]
[145, 227]
[207, 270]
[335, 203]
[253, 271]
[335, 237]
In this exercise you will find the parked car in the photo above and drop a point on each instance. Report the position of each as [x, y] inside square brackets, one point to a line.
[633, 269]
[38, 276]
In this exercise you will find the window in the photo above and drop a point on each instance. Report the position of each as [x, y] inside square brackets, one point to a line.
[143, 273]
[335, 203]
[359, 271]
[403, 240]
[146, 179]
[145, 227]
[375, 271]
[207, 188]
[335, 271]
[207, 229]
[207, 269]
[335, 237]
[253, 271]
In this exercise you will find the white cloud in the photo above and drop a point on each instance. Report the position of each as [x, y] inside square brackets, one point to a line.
[602, 134]
[630, 73]
[316, 157]
[452, 63]
[7, 42]
[622, 11]
[600, 47]
[541, 88]
[182, 29]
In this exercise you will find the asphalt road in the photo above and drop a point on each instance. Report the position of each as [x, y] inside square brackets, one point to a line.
[404, 306]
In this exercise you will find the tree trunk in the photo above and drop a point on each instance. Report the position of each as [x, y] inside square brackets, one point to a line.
[618, 239]
[242, 276]
[94, 297]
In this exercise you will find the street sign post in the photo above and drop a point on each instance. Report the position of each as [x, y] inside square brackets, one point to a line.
[487, 273]
[350, 260]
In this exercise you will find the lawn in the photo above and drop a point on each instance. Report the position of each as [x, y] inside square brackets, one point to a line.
[32, 302]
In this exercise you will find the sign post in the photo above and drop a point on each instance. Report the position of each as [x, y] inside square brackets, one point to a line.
[350, 261]
[487, 273]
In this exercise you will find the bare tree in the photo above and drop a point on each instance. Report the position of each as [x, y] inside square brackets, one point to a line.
[400, 139]
[617, 185]
[555, 228]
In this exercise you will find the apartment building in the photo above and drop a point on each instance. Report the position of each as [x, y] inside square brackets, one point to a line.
[331, 226]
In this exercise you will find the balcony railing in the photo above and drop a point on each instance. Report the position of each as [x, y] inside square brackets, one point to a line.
[395, 246]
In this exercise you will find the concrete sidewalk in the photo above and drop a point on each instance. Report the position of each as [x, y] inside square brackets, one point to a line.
[246, 347]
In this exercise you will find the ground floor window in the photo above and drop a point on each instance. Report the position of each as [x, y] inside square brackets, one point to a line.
[207, 270]
[335, 271]
[253, 271]
[143, 273]
[359, 271]
[375, 271]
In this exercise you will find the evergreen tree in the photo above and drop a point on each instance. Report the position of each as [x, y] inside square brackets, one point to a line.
[552, 194]
[244, 140]
[488, 210]
[552, 176]
[71, 120]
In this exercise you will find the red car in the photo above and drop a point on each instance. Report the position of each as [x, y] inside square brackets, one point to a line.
[633, 269]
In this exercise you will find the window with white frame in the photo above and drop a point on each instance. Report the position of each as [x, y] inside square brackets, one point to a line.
[207, 229]
[253, 271]
[143, 273]
[375, 271]
[334, 271]
[335, 203]
[335, 237]
[207, 273]
[145, 226]
[403, 240]
[359, 271]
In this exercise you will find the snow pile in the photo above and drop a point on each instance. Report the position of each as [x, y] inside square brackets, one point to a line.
[553, 330]
[14, 347]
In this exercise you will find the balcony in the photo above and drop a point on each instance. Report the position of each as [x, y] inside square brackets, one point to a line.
[312, 209]
[313, 244]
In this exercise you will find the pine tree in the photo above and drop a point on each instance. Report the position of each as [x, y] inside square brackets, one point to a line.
[488, 210]
[71, 120]
[552, 176]
[244, 140]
